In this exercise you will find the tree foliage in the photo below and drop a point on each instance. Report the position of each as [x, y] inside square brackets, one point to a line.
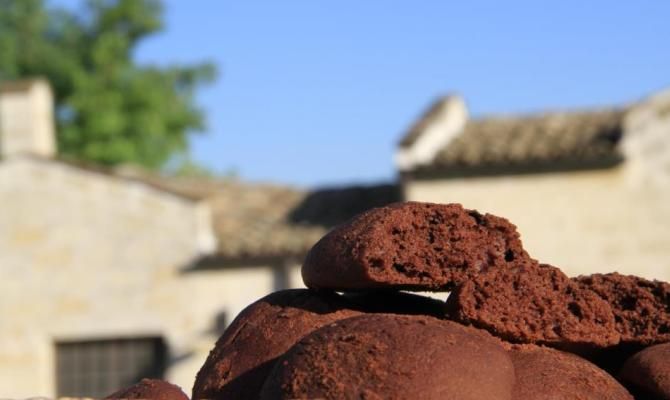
[109, 109]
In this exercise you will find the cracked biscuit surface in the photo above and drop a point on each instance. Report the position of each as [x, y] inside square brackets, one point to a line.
[535, 303]
[412, 246]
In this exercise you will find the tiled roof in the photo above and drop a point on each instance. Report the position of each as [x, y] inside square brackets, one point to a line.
[268, 220]
[526, 143]
[545, 138]
[331, 206]
[253, 221]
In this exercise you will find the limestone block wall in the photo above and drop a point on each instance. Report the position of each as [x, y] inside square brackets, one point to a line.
[85, 255]
[583, 222]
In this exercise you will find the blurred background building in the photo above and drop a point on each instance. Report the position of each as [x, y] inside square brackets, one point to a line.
[111, 274]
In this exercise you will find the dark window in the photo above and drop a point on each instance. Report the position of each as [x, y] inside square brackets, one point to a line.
[96, 368]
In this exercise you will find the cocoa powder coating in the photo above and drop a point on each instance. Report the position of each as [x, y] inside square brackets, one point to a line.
[648, 372]
[547, 374]
[383, 356]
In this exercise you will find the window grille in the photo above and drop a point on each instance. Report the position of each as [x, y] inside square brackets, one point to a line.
[96, 368]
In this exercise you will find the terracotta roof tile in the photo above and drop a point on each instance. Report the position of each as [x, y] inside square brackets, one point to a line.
[253, 221]
[267, 220]
[546, 139]
[542, 138]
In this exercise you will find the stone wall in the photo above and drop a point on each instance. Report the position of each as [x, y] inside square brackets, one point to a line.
[84, 255]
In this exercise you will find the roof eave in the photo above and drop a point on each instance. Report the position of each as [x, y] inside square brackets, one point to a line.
[435, 172]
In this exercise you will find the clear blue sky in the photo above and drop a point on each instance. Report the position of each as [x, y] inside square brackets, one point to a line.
[319, 92]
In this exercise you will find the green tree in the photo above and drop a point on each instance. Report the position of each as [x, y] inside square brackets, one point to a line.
[109, 109]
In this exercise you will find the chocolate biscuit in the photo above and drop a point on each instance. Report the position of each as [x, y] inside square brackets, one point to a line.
[641, 307]
[385, 356]
[535, 303]
[413, 246]
[150, 389]
[648, 372]
[246, 352]
[546, 374]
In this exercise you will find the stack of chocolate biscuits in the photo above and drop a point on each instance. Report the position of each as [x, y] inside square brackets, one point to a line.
[511, 328]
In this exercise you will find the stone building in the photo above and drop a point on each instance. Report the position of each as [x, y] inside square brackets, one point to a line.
[589, 190]
[111, 275]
